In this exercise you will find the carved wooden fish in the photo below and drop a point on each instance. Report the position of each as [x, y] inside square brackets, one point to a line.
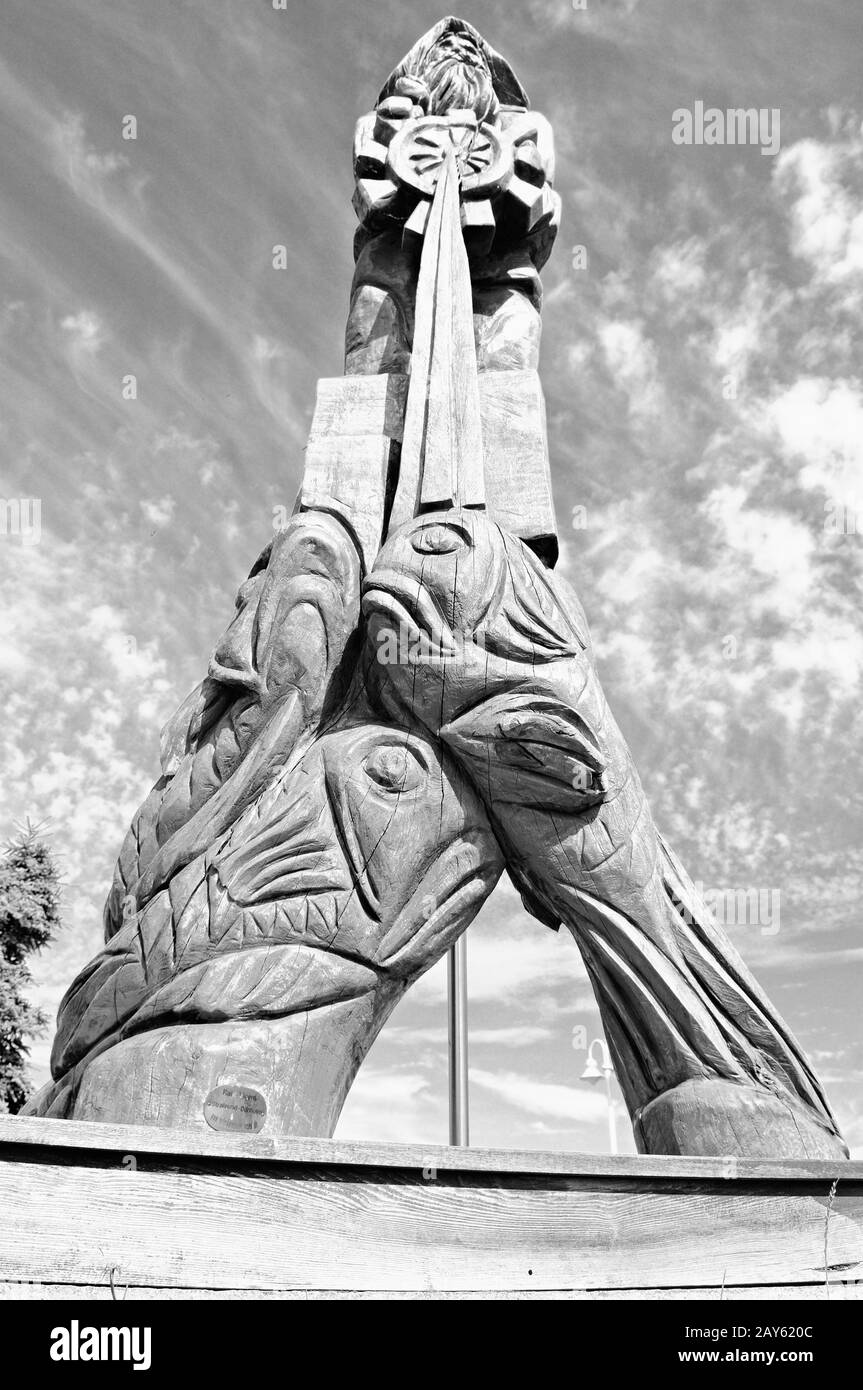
[332, 854]
[354, 871]
[269, 678]
[513, 691]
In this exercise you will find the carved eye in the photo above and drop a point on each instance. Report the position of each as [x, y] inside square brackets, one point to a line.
[393, 768]
[439, 540]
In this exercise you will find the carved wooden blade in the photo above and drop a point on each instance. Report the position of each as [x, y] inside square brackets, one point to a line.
[441, 459]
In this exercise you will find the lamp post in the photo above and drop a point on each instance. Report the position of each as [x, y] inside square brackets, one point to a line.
[594, 1071]
[458, 1063]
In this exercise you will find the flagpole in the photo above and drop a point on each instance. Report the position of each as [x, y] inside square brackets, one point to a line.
[458, 1059]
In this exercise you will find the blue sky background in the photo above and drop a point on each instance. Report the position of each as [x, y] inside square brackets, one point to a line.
[703, 380]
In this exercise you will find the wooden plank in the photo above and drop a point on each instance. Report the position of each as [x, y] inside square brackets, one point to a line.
[356, 423]
[347, 475]
[137, 1139]
[517, 474]
[838, 1293]
[357, 417]
[204, 1222]
[359, 405]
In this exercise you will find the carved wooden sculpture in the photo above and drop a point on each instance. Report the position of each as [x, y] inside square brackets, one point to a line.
[406, 703]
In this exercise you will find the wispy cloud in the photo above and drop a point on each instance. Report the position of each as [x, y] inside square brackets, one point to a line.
[546, 1100]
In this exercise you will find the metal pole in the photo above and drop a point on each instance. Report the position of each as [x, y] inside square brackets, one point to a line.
[612, 1126]
[457, 1015]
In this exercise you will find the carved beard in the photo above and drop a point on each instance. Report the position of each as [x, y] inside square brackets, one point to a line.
[456, 84]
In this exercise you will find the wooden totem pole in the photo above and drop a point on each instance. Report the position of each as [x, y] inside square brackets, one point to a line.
[404, 705]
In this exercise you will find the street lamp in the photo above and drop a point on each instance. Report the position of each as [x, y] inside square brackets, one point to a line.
[594, 1071]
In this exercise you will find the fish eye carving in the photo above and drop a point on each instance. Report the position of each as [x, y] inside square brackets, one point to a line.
[394, 768]
[440, 539]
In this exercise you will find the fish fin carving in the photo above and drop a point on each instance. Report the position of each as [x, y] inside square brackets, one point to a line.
[777, 1061]
[532, 903]
[530, 749]
[533, 625]
[277, 855]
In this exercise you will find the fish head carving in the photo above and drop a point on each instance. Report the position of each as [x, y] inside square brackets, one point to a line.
[437, 577]
[373, 844]
[454, 606]
[299, 603]
[356, 867]
[272, 674]
[304, 587]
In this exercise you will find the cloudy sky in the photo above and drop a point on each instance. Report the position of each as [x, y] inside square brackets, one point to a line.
[702, 366]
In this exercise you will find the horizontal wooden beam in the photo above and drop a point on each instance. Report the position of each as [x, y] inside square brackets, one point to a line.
[837, 1293]
[164, 1210]
[131, 1139]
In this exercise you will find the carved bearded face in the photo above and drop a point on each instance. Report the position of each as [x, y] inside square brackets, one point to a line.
[458, 77]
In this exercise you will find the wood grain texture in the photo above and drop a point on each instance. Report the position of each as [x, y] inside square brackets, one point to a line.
[518, 476]
[101, 1141]
[353, 446]
[213, 1222]
[350, 456]
[358, 406]
[836, 1293]
[166, 1075]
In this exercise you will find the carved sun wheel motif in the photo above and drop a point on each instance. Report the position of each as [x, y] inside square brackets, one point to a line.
[418, 153]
